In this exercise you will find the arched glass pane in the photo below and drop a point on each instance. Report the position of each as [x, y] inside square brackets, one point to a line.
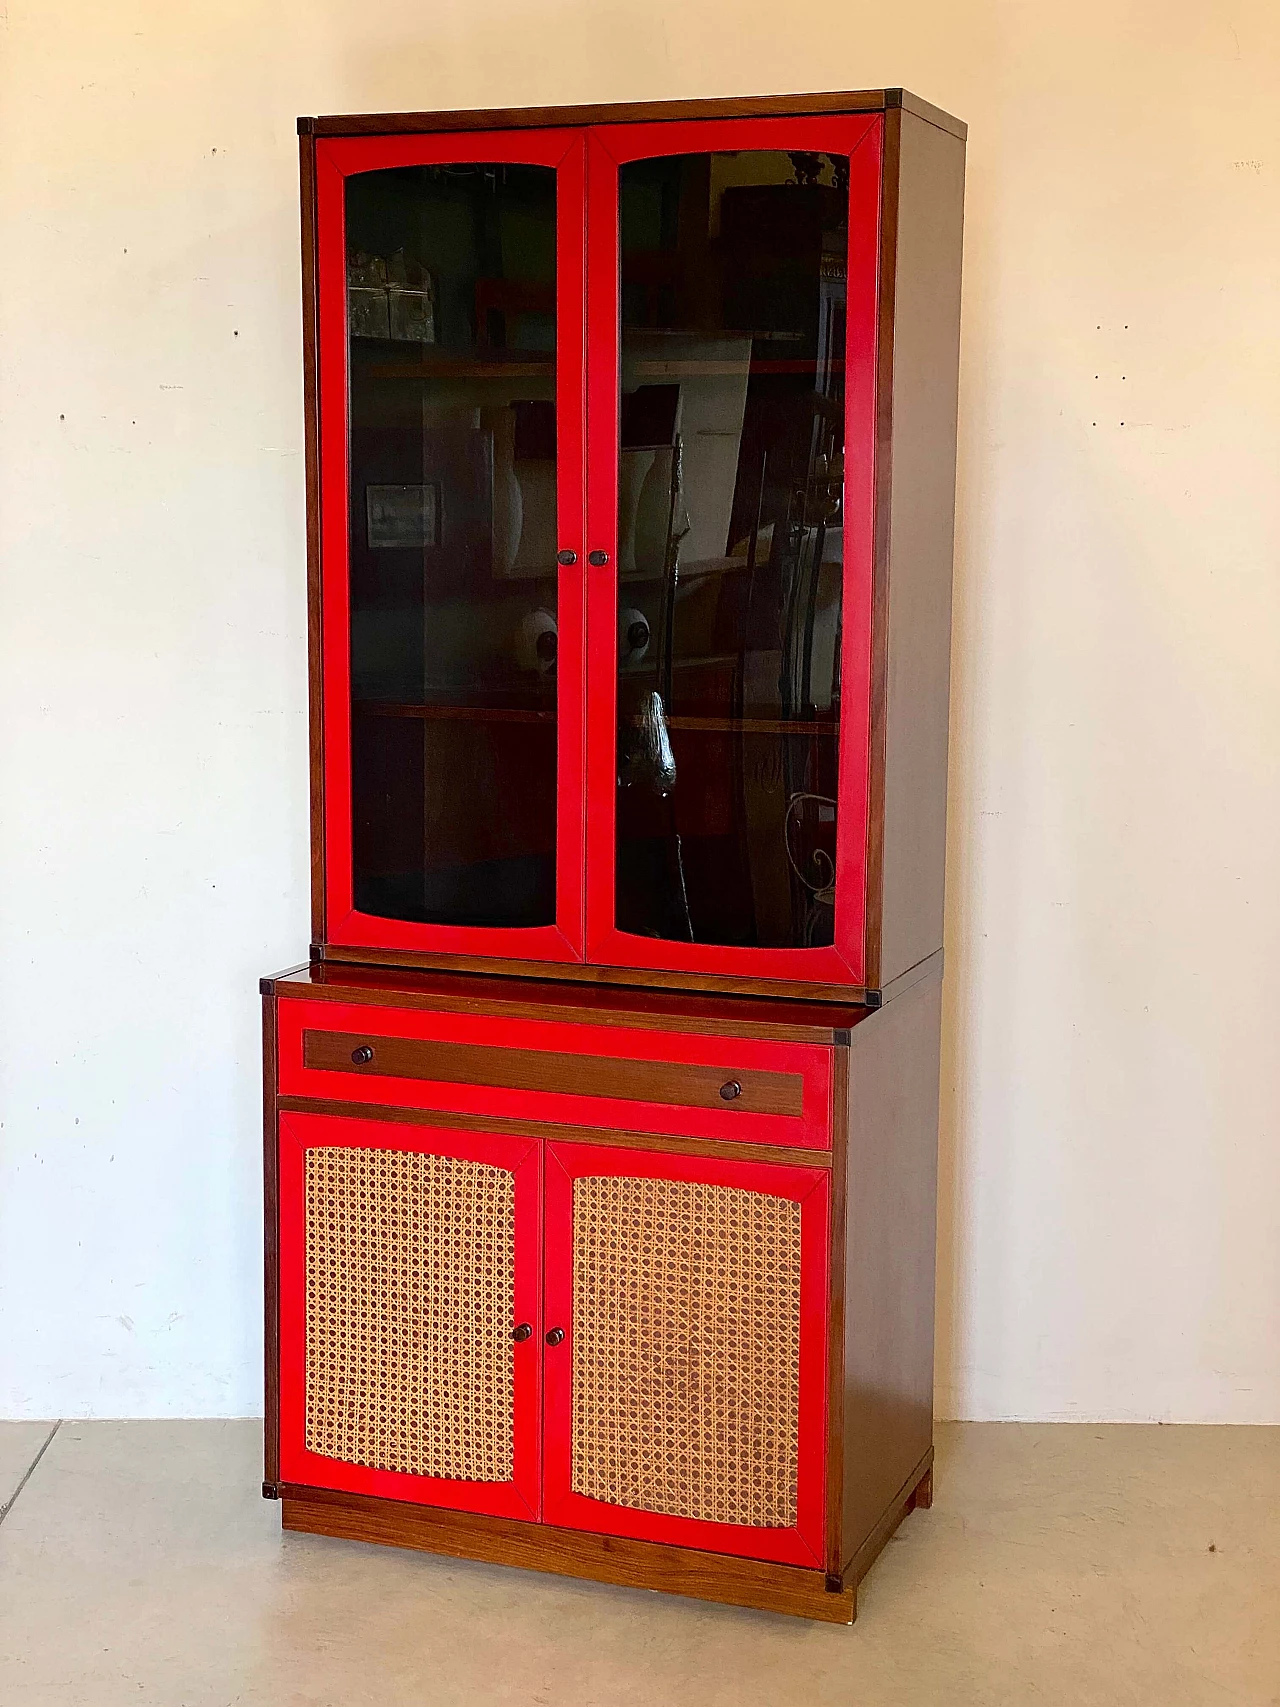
[730, 563]
[451, 337]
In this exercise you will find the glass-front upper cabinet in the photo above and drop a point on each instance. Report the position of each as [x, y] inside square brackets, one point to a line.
[625, 455]
[451, 304]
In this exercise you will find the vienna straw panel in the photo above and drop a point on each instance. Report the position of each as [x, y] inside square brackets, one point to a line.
[409, 1297]
[686, 1313]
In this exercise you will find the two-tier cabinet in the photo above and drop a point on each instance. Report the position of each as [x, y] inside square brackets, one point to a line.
[601, 1125]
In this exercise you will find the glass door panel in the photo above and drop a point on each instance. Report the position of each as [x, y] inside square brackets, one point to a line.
[451, 321]
[729, 545]
[458, 498]
[729, 605]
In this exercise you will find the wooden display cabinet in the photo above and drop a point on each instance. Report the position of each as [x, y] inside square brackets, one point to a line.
[631, 451]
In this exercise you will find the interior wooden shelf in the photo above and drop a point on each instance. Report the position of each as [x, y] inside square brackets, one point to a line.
[502, 714]
[465, 367]
[469, 367]
[749, 726]
[452, 713]
[656, 368]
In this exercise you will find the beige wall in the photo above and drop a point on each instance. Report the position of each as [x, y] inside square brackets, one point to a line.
[1111, 1214]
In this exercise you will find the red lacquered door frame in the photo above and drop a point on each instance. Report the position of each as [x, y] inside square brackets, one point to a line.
[802, 1545]
[608, 147]
[337, 159]
[522, 1157]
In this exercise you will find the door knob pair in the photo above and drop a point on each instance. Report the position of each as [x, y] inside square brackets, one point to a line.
[525, 1331]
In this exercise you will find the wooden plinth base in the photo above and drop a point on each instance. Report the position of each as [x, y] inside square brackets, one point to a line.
[568, 1552]
[600, 1558]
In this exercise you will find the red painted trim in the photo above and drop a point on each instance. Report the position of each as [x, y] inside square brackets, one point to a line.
[521, 1497]
[571, 591]
[336, 159]
[860, 137]
[802, 1545]
[603, 380]
[861, 344]
[811, 1130]
[838, 133]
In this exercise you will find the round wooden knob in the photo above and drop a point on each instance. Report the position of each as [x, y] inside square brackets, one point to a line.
[730, 1091]
[361, 1057]
[522, 1333]
[555, 1336]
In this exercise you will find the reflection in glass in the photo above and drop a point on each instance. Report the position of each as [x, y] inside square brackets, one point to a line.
[729, 546]
[451, 337]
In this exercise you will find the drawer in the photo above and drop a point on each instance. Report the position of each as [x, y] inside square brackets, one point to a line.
[607, 1076]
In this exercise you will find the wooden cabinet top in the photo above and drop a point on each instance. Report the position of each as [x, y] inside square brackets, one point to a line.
[634, 112]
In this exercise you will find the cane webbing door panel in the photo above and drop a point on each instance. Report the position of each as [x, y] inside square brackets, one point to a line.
[408, 1258]
[686, 1401]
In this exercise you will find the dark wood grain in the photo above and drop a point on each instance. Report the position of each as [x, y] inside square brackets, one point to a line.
[904, 1501]
[890, 1255]
[620, 112]
[927, 111]
[678, 1083]
[880, 566]
[567, 1552]
[728, 983]
[726, 1149]
[311, 452]
[632, 112]
[270, 1250]
[931, 966]
[585, 1004]
[922, 1498]
[835, 1309]
[921, 459]
[267, 986]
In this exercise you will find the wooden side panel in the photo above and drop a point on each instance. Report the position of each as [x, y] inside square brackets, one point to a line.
[922, 451]
[890, 1256]
[836, 1266]
[916, 1494]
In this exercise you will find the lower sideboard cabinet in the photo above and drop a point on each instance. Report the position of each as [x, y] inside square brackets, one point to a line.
[678, 1362]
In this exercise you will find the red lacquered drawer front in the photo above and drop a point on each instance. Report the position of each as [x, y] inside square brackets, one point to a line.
[582, 1075]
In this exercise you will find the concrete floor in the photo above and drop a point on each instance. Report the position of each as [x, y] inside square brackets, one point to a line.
[1060, 1564]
